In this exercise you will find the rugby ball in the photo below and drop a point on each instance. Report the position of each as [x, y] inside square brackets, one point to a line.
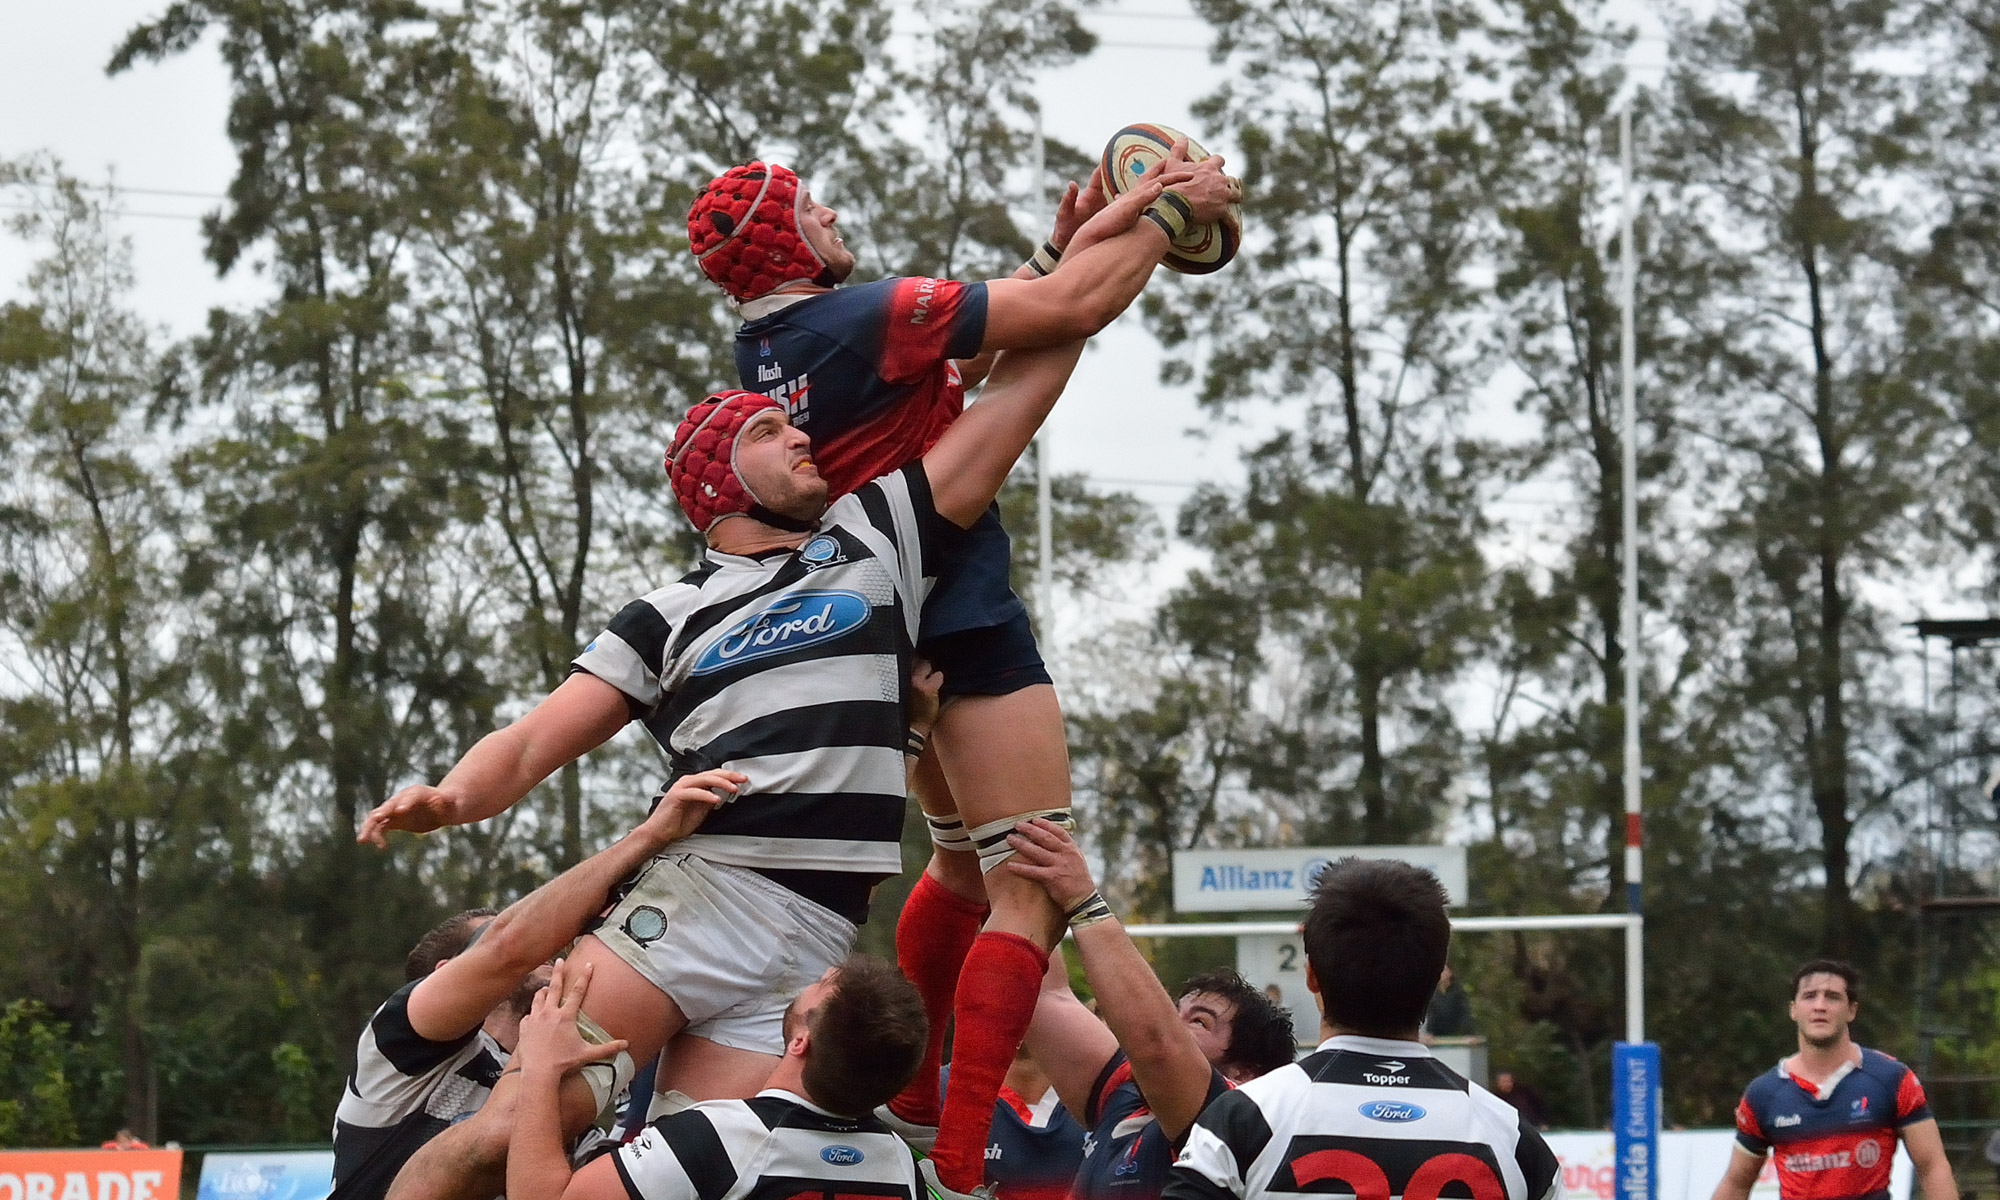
[1137, 149]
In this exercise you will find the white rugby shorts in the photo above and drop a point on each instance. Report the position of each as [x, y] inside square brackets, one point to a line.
[731, 947]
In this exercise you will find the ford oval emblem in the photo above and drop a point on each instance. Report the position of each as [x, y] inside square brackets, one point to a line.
[841, 1156]
[792, 622]
[1391, 1111]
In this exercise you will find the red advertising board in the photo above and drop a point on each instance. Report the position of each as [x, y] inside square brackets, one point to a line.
[90, 1174]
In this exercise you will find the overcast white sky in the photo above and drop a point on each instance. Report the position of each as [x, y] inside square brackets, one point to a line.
[159, 130]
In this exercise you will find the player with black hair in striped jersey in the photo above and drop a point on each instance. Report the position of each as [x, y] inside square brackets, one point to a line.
[1370, 1113]
[852, 1039]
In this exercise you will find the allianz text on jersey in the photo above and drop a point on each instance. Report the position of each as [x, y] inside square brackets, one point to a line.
[1262, 880]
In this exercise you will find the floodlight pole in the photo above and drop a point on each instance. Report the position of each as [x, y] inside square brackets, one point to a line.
[1635, 933]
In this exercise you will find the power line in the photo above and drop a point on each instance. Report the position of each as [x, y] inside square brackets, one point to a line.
[29, 208]
[133, 191]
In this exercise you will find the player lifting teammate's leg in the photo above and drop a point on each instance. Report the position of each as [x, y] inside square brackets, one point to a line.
[874, 373]
[785, 657]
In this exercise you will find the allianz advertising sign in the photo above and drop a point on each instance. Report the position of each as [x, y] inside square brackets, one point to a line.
[1279, 880]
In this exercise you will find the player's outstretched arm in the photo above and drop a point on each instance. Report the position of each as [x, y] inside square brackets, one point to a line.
[579, 716]
[1170, 1069]
[1096, 282]
[1067, 1041]
[972, 459]
[1741, 1175]
[455, 998]
[549, 1048]
[1933, 1165]
[1073, 210]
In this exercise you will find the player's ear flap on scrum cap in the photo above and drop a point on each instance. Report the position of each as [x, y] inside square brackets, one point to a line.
[701, 461]
[746, 230]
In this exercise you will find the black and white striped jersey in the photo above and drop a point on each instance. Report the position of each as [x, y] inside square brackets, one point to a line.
[792, 668]
[1367, 1118]
[404, 1090]
[774, 1146]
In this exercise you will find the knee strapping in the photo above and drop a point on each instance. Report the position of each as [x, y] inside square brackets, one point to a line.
[990, 839]
[948, 833]
[607, 1080]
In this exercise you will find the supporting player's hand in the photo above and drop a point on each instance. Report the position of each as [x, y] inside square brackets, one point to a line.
[1045, 853]
[1208, 191]
[688, 801]
[925, 680]
[1077, 207]
[418, 809]
[549, 1040]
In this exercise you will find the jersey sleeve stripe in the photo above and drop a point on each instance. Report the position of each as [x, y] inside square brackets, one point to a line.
[1539, 1165]
[632, 1188]
[645, 629]
[405, 1049]
[1186, 1184]
[1235, 1120]
[1102, 1087]
[694, 1141]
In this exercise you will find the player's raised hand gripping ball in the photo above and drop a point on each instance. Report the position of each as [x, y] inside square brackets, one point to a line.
[1137, 150]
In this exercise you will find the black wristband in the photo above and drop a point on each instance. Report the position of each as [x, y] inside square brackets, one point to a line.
[913, 743]
[1088, 911]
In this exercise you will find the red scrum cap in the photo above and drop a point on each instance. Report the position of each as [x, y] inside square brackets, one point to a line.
[746, 231]
[701, 462]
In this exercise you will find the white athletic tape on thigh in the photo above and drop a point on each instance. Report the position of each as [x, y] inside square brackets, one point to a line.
[948, 833]
[665, 1104]
[990, 839]
[606, 1079]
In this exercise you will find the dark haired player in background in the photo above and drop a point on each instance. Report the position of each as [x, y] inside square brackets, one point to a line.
[1834, 1111]
[868, 372]
[1370, 1113]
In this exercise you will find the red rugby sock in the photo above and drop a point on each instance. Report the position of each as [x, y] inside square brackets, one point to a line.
[933, 934]
[996, 1000]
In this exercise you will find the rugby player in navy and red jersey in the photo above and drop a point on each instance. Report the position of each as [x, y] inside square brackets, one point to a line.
[1834, 1111]
[872, 373]
[1140, 1076]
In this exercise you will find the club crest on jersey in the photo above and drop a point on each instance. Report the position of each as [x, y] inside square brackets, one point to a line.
[1391, 1111]
[822, 551]
[841, 1156]
[1867, 1154]
[792, 623]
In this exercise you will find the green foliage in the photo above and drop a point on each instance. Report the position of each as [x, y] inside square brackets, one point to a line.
[36, 1060]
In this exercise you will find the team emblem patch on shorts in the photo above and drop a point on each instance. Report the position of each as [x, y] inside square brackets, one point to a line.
[645, 924]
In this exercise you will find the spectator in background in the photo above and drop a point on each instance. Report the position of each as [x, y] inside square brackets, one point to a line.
[1526, 1100]
[1450, 1013]
[124, 1139]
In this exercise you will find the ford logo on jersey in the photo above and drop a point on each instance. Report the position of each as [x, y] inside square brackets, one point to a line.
[796, 621]
[1391, 1111]
[841, 1156]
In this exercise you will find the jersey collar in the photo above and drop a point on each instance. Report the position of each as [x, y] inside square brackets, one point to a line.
[802, 1102]
[1374, 1045]
[764, 306]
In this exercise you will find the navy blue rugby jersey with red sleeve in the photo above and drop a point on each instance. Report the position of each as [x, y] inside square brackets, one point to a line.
[866, 370]
[1032, 1152]
[1833, 1141]
[1127, 1155]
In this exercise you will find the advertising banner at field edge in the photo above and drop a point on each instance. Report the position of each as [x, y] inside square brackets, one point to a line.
[1691, 1163]
[90, 1174]
[274, 1175]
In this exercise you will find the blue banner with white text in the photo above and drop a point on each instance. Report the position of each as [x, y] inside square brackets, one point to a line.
[1635, 1120]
